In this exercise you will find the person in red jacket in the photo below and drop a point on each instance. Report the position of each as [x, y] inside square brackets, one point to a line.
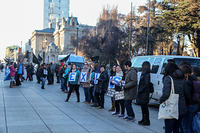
[12, 74]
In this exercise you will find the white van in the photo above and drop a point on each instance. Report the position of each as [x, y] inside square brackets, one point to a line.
[158, 64]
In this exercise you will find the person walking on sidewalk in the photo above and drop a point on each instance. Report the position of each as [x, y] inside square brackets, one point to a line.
[12, 74]
[73, 85]
[63, 70]
[130, 90]
[20, 72]
[44, 73]
[143, 93]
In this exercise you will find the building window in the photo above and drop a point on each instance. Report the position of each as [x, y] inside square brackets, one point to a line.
[72, 39]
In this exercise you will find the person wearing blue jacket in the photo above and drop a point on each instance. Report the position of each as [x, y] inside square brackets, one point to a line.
[63, 76]
[73, 82]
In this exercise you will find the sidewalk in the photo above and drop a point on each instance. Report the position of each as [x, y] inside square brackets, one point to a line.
[29, 109]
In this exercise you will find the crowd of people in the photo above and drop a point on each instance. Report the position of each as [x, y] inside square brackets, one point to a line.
[96, 80]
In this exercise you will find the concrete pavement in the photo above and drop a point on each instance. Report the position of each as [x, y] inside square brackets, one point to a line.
[29, 109]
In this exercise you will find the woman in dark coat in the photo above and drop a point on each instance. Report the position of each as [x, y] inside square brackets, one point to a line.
[143, 93]
[172, 70]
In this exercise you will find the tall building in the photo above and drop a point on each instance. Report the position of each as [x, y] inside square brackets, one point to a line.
[54, 11]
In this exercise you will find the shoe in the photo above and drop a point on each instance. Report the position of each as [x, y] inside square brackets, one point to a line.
[78, 101]
[121, 116]
[125, 117]
[101, 107]
[115, 113]
[140, 122]
[130, 119]
[145, 123]
[94, 105]
[66, 100]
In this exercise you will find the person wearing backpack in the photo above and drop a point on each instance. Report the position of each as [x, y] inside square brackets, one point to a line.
[172, 71]
[143, 93]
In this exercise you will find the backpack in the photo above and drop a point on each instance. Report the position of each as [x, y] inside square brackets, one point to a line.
[151, 87]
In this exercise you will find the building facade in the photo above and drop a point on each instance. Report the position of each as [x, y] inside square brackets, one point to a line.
[13, 52]
[66, 34]
[41, 44]
[54, 10]
[49, 43]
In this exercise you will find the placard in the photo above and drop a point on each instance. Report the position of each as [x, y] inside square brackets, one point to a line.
[72, 76]
[45, 72]
[116, 80]
[83, 77]
[109, 84]
[97, 75]
[110, 92]
[119, 95]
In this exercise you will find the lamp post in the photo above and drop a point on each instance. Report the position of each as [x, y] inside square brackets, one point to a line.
[77, 41]
[178, 47]
[130, 31]
[148, 21]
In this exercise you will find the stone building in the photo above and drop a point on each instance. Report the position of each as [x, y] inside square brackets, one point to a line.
[67, 32]
[40, 42]
[50, 42]
[13, 52]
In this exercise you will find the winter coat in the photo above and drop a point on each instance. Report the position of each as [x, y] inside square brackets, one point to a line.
[103, 80]
[62, 72]
[20, 69]
[143, 89]
[188, 91]
[130, 87]
[179, 89]
[196, 92]
[87, 83]
[43, 72]
[118, 87]
[12, 71]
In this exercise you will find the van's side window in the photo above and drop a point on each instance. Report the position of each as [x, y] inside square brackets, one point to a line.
[164, 65]
[138, 63]
[151, 61]
[156, 65]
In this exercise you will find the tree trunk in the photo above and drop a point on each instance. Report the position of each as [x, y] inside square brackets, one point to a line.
[182, 44]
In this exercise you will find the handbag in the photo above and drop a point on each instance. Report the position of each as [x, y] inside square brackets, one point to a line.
[196, 123]
[169, 108]
[119, 95]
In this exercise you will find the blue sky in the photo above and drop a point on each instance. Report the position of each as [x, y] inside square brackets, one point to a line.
[19, 18]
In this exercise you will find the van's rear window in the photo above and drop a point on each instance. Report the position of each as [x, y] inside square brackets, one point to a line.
[193, 62]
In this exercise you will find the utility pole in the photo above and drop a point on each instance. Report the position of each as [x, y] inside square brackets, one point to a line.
[130, 30]
[148, 22]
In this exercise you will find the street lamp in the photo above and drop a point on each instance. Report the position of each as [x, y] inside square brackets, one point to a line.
[178, 47]
[77, 41]
[147, 40]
